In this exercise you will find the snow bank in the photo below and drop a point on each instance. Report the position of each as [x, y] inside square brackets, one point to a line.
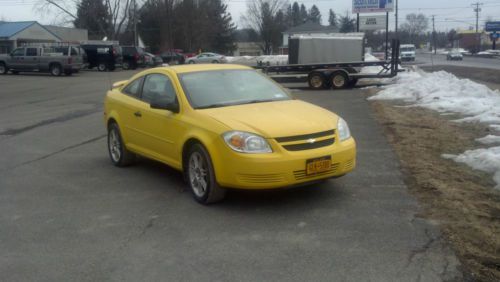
[490, 139]
[445, 93]
[271, 59]
[487, 160]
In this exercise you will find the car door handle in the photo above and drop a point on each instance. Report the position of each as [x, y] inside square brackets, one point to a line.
[138, 114]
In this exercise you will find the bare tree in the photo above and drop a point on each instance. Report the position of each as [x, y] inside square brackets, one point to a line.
[267, 18]
[118, 12]
[415, 25]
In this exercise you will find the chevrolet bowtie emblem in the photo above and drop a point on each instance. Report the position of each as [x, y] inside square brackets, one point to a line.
[311, 141]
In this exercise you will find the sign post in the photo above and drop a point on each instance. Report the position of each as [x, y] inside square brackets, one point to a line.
[375, 6]
[493, 27]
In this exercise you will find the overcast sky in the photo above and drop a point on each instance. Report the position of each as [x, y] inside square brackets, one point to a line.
[449, 13]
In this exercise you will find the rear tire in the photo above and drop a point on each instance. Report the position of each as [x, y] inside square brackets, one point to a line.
[102, 67]
[316, 81]
[339, 80]
[55, 70]
[3, 68]
[215, 62]
[118, 153]
[201, 176]
[126, 65]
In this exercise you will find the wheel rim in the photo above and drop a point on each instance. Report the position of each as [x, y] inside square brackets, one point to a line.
[114, 145]
[198, 176]
[126, 66]
[339, 81]
[55, 71]
[102, 67]
[2, 69]
[316, 81]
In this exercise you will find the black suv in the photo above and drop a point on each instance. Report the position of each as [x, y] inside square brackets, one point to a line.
[105, 56]
[133, 57]
[173, 58]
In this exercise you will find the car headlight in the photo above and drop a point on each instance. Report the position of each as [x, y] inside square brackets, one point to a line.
[343, 129]
[245, 142]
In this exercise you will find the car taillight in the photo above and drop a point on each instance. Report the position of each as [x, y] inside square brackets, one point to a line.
[70, 60]
[136, 56]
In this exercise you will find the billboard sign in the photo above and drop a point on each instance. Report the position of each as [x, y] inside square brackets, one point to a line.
[492, 26]
[372, 6]
[372, 22]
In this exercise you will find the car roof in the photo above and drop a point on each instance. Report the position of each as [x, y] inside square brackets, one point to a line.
[205, 67]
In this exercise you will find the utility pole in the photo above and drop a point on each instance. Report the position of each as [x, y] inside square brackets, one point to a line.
[478, 36]
[434, 33]
[135, 24]
[396, 15]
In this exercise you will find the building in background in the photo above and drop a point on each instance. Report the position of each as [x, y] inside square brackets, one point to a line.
[467, 39]
[14, 34]
[248, 49]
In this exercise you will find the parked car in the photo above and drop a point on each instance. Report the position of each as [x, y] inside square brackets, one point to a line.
[106, 56]
[56, 60]
[152, 60]
[454, 55]
[206, 58]
[173, 58]
[225, 127]
[133, 57]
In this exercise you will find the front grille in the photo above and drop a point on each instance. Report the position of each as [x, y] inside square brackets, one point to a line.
[349, 164]
[305, 137]
[304, 142]
[309, 146]
[301, 174]
[261, 178]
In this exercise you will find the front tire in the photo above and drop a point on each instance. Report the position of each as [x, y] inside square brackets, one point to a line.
[102, 67]
[118, 153]
[201, 176]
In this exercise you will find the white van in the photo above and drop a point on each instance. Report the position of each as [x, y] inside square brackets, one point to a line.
[407, 52]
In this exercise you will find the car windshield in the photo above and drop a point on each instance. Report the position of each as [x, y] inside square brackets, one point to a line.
[221, 88]
[407, 49]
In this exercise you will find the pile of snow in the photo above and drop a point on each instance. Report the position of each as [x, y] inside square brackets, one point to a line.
[490, 139]
[487, 160]
[253, 60]
[445, 93]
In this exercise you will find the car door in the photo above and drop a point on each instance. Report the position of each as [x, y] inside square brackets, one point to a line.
[128, 108]
[31, 58]
[160, 128]
[17, 59]
[201, 58]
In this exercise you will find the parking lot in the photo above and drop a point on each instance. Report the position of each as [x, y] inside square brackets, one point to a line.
[66, 213]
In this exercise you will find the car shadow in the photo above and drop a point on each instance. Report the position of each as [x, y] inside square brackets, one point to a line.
[238, 199]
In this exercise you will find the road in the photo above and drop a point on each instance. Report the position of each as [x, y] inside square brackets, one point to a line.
[67, 214]
[476, 62]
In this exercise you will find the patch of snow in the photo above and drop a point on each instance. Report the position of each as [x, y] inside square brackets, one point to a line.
[490, 139]
[487, 160]
[271, 59]
[445, 93]
[370, 58]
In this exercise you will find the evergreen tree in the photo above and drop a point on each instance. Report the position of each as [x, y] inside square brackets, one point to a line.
[332, 19]
[347, 24]
[223, 27]
[296, 18]
[92, 15]
[315, 14]
[303, 14]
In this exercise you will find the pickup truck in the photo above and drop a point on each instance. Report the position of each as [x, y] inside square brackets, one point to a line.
[53, 59]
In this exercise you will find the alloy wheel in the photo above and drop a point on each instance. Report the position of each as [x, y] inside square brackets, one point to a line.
[198, 174]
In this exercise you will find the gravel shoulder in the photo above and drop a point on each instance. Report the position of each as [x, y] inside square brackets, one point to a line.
[458, 198]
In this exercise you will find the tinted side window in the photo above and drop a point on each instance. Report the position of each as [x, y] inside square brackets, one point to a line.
[31, 52]
[158, 86]
[134, 88]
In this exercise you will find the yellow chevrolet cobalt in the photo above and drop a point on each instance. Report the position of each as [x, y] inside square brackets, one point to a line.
[225, 126]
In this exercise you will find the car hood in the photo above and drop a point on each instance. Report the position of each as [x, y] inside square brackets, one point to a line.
[275, 119]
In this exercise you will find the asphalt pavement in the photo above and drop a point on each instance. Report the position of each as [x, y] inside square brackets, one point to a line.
[67, 214]
[427, 59]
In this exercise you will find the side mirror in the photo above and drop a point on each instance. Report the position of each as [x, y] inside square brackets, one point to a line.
[162, 104]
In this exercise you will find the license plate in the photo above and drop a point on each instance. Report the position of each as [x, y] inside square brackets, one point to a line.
[319, 165]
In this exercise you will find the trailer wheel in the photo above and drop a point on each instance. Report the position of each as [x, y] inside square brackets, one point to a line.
[339, 80]
[316, 81]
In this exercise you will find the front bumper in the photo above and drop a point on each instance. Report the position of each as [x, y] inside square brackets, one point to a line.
[281, 168]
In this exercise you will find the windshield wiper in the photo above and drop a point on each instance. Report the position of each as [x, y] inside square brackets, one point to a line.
[219, 105]
[258, 101]
[216, 105]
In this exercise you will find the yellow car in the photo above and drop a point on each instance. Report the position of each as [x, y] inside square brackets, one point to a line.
[225, 126]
